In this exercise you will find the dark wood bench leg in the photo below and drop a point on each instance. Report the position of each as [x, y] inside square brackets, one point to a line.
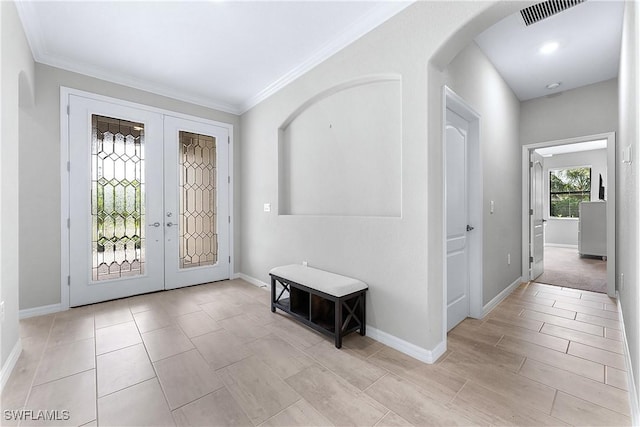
[363, 314]
[273, 295]
[338, 323]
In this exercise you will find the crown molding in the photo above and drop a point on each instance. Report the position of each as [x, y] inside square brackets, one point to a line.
[375, 18]
[31, 28]
[35, 38]
[158, 89]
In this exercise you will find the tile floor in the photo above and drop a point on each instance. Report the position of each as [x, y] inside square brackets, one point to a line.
[215, 355]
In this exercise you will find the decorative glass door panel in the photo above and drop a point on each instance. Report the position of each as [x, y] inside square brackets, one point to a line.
[117, 195]
[196, 156]
[116, 237]
[198, 228]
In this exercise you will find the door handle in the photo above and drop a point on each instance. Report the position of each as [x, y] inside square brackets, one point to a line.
[469, 228]
[170, 224]
[155, 224]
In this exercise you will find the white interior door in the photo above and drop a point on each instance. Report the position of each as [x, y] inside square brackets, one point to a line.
[196, 202]
[148, 201]
[115, 201]
[457, 131]
[536, 215]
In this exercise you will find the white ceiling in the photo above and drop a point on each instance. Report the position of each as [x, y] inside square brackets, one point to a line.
[228, 55]
[589, 37]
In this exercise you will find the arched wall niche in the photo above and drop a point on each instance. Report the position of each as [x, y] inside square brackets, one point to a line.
[340, 151]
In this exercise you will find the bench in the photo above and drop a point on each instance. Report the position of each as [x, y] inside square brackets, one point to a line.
[327, 302]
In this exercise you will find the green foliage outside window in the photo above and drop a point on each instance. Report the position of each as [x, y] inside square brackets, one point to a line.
[567, 188]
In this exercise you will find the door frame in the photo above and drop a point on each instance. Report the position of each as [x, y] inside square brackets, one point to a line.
[65, 93]
[457, 104]
[611, 202]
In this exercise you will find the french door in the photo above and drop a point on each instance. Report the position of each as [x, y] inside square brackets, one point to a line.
[148, 201]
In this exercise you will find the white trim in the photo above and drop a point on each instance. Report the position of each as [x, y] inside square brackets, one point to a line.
[501, 296]
[561, 245]
[230, 199]
[457, 104]
[633, 393]
[375, 18]
[8, 366]
[65, 93]
[252, 280]
[41, 311]
[422, 354]
[358, 29]
[611, 202]
[65, 209]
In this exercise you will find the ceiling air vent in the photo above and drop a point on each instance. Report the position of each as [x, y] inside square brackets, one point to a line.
[540, 11]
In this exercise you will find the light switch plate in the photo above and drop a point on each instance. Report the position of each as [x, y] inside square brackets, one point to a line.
[267, 207]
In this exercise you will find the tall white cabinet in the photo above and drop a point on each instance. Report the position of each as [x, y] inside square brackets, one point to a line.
[592, 229]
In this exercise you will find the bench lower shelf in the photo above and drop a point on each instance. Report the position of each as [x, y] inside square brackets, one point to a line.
[327, 314]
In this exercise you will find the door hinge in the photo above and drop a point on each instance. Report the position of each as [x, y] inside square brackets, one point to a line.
[68, 166]
[530, 164]
[530, 211]
[228, 140]
[530, 260]
[229, 258]
[229, 219]
[68, 222]
[68, 280]
[228, 180]
[68, 109]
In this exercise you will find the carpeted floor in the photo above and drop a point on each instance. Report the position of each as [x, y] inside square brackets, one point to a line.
[565, 267]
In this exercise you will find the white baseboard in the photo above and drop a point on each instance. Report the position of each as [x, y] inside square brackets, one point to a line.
[6, 370]
[502, 295]
[39, 311]
[422, 354]
[560, 245]
[252, 280]
[633, 393]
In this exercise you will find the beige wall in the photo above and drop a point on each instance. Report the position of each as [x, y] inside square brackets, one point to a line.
[39, 174]
[16, 85]
[472, 76]
[587, 110]
[400, 258]
[628, 185]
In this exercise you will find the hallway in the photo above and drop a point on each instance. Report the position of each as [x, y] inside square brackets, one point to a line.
[566, 268]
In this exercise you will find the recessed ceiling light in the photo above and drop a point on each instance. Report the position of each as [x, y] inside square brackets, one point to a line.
[553, 85]
[549, 47]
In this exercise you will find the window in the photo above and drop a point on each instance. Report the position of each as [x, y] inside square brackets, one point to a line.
[567, 188]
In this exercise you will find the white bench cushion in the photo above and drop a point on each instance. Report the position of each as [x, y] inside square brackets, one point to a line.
[320, 280]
